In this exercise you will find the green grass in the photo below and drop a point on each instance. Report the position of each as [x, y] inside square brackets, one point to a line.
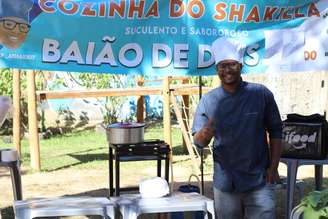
[83, 149]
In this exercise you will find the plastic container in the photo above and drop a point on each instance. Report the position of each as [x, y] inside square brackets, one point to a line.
[188, 188]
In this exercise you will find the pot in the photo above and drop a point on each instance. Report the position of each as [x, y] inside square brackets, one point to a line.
[125, 133]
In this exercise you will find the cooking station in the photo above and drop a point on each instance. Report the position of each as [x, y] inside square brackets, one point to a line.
[147, 150]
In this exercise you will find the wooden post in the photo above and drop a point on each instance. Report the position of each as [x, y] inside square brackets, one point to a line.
[167, 123]
[16, 110]
[33, 122]
[166, 112]
[140, 102]
[185, 114]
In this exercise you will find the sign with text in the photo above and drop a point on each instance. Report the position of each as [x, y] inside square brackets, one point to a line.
[161, 37]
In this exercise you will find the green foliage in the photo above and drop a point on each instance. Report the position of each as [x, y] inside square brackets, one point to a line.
[67, 115]
[98, 81]
[6, 89]
[206, 80]
[314, 205]
[111, 105]
[6, 82]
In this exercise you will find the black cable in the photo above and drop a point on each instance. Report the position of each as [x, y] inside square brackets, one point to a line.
[202, 169]
[200, 85]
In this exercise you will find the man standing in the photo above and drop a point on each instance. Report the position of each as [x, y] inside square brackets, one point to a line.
[239, 115]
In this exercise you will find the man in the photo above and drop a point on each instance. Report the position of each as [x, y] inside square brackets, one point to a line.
[239, 115]
[14, 22]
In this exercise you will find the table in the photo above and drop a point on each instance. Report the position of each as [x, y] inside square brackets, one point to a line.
[292, 166]
[149, 150]
[63, 206]
[14, 167]
[132, 205]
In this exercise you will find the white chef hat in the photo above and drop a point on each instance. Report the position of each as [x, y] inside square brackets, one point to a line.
[227, 48]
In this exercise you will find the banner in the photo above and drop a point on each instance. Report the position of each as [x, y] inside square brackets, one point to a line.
[161, 37]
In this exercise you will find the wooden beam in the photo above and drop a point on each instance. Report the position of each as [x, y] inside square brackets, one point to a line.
[166, 112]
[140, 91]
[167, 123]
[16, 111]
[33, 122]
[185, 114]
[100, 93]
[189, 90]
[179, 78]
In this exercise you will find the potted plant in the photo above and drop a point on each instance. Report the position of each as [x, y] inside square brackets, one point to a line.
[313, 206]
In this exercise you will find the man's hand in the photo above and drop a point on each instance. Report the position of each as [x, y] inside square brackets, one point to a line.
[205, 134]
[275, 150]
[272, 176]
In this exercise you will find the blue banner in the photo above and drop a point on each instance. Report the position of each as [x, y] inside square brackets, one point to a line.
[161, 37]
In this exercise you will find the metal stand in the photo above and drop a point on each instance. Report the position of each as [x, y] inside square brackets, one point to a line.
[292, 167]
[156, 150]
[15, 178]
[200, 83]
[202, 169]
[64, 206]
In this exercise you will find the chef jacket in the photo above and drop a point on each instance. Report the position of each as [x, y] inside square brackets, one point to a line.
[242, 121]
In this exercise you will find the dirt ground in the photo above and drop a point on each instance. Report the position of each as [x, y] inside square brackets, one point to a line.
[94, 182]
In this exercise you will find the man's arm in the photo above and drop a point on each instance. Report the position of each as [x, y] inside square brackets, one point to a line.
[275, 151]
[274, 128]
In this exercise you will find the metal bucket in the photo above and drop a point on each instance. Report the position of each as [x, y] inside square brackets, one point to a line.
[125, 133]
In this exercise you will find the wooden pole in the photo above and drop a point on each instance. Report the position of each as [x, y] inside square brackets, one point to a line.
[166, 112]
[16, 110]
[140, 103]
[179, 89]
[185, 114]
[167, 123]
[33, 122]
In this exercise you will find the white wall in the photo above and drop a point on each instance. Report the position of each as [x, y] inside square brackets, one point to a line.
[303, 93]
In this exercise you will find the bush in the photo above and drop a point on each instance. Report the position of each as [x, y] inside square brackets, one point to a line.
[314, 205]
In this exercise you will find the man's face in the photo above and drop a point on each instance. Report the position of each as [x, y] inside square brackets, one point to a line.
[13, 32]
[229, 71]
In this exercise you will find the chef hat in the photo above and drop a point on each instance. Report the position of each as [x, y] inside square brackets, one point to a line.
[153, 188]
[16, 8]
[227, 48]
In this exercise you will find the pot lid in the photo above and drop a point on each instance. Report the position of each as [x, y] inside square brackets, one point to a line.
[126, 125]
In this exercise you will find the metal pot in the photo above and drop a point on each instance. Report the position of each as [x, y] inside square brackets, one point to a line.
[125, 133]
